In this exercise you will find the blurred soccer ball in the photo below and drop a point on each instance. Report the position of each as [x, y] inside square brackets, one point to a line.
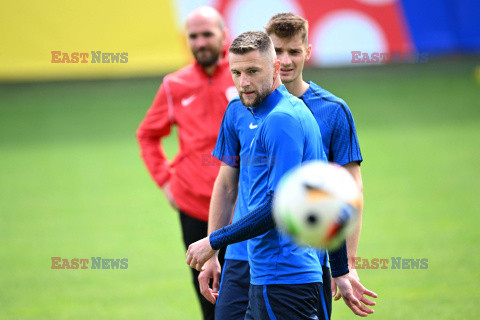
[317, 204]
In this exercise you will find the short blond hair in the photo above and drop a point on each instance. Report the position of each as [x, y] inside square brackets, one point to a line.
[288, 25]
[251, 41]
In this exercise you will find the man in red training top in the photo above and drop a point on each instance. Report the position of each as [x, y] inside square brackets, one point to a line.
[194, 99]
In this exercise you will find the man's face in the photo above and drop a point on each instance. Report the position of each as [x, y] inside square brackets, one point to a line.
[292, 53]
[253, 75]
[205, 39]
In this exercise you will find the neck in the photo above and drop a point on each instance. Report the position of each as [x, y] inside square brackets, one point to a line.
[297, 87]
[277, 83]
[210, 69]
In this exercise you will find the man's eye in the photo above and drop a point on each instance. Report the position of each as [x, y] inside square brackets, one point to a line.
[192, 36]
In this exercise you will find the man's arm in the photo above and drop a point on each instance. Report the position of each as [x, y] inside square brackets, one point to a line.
[352, 240]
[353, 292]
[224, 195]
[251, 225]
[154, 126]
[345, 150]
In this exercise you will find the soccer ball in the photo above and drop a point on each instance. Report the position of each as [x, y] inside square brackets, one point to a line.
[317, 204]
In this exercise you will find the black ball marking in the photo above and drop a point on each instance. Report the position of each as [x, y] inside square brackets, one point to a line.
[312, 218]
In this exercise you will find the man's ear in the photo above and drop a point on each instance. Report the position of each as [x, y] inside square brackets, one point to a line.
[277, 65]
[309, 52]
[276, 71]
[225, 35]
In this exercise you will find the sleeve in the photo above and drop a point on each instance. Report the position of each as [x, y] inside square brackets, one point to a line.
[284, 143]
[154, 126]
[255, 223]
[339, 261]
[227, 148]
[344, 145]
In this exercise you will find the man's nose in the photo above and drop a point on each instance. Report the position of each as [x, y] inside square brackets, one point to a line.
[285, 59]
[201, 41]
[244, 80]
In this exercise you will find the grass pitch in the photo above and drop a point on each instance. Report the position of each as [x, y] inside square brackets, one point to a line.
[72, 185]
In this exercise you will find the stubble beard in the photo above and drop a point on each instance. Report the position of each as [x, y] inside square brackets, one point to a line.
[209, 61]
[258, 99]
[212, 55]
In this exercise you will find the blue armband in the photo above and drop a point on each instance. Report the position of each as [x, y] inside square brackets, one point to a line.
[251, 225]
[339, 261]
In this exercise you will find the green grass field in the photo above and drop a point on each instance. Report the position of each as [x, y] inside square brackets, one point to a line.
[72, 185]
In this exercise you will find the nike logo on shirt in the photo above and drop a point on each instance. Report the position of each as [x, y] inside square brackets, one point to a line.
[251, 126]
[187, 101]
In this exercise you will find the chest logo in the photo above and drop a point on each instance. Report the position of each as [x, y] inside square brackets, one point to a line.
[252, 126]
[186, 101]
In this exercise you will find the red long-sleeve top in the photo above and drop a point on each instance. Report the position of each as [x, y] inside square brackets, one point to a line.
[195, 102]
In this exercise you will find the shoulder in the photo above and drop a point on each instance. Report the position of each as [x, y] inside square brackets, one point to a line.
[234, 107]
[323, 101]
[236, 113]
[290, 105]
[291, 111]
[181, 75]
[236, 102]
[320, 95]
[281, 119]
[281, 127]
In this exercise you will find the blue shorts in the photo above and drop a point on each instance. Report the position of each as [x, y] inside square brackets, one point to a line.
[232, 301]
[232, 298]
[284, 301]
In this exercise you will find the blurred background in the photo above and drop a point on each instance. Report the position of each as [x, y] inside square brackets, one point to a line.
[72, 183]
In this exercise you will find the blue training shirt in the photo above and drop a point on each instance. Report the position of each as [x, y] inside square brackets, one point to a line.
[335, 120]
[287, 136]
[233, 146]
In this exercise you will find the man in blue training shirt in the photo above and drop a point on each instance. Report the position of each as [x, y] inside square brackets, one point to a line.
[286, 279]
[289, 35]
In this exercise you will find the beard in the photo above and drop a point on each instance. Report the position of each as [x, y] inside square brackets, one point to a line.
[262, 95]
[207, 57]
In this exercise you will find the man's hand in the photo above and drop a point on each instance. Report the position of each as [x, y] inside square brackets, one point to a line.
[169, 196]
[198, 253]
[352, 292]
[333, 285]
[211, 270]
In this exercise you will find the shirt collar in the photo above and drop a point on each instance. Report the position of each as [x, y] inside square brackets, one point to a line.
[270, 102]
[309, 91]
